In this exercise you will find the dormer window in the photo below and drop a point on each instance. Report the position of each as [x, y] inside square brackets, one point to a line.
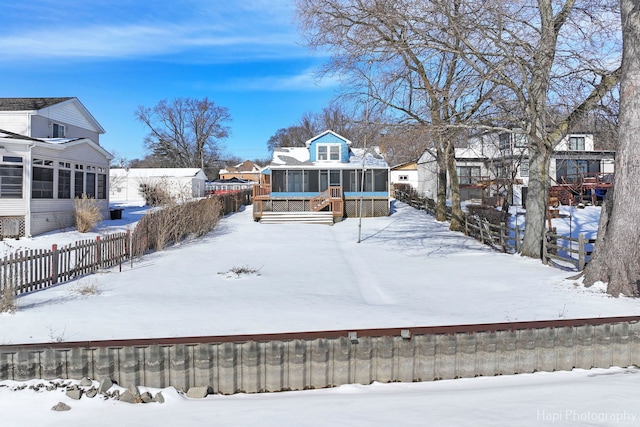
[58, 131]
[576, 143]
[328, 152]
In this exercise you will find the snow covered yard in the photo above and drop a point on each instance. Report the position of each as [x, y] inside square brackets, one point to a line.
[409, 270]
[246, 277]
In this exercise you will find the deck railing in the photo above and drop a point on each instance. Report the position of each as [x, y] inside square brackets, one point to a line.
[261, 191]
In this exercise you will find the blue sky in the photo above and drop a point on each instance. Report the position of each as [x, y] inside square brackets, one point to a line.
[115, 55]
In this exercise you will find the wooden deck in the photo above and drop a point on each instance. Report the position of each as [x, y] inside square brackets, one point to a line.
[332, 198]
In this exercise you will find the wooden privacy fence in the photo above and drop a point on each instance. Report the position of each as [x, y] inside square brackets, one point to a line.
[575, 251]
[35, 269]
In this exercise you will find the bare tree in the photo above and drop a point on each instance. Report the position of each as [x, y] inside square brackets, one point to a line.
[402, 57]
[616, 259]
[541, 53]
[335, 118]
[185, 132]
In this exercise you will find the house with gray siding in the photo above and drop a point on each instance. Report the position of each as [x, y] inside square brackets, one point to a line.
[50, 154]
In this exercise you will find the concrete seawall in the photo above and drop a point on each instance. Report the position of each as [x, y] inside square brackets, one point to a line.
[297, 361]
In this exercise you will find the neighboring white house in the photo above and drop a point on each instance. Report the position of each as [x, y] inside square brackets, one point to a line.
[405, 173]
[49, 154]
[181, 183]
[489, 161]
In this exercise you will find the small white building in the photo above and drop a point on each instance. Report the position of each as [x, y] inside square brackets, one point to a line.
[49, 155]
[405, 173]
[181, 183]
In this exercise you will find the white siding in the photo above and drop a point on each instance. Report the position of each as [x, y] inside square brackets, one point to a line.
[68, 112]
[125, 184]
[42, 127]
[17, 122]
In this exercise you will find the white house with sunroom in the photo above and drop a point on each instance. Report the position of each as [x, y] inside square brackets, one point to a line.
[49, 155]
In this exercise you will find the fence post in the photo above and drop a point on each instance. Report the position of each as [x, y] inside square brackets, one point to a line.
[545, 259]
[503, 232]
[581, 252]
[54, 264]
[98, 259]
[466, 223]
[127, 244]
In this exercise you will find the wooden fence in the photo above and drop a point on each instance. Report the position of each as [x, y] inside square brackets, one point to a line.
[34, 269]
[559, 250]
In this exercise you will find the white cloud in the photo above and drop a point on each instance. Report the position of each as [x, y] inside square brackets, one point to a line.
[253, 28]
[308, 80]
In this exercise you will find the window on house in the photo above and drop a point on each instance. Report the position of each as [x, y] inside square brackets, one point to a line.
[278, 181]
[42, 183]
[58, 131]
[102, 186]
[294, 181]
[524, 168]
[334, 152]
[334, 178]
[78, 181]
[64, 184]
[351, 181]
[468, 175]
[505, 140]
[328, 152]
[10, 177]
[520, 140]
[576, 143]
[380, 181]
[322, 152]
[90, 185]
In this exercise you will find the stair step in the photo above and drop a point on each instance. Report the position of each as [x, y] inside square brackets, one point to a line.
[299, 217]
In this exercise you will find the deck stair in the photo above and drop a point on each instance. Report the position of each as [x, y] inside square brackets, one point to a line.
[322, 217]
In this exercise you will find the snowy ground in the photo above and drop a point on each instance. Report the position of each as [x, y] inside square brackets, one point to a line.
[409, 270]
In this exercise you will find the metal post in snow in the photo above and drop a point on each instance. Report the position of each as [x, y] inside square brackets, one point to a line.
[364, 152]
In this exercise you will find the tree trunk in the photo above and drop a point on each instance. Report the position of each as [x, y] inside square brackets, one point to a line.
[617, 258]
[441, 201]
[537, 196]
[457, 216]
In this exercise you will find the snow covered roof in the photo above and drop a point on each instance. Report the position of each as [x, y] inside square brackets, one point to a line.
[57, 143]
[299, 156]
[156, 172]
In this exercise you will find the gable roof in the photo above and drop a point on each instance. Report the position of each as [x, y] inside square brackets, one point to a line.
[38, 104]
[324, 134]
[157, 172]
[411, 165]
[246, 167]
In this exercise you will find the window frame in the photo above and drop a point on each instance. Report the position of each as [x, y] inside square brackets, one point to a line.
[12, 163]
[328, 152]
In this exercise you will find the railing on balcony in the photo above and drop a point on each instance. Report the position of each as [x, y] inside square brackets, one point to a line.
[261, 191]
[331, 197]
